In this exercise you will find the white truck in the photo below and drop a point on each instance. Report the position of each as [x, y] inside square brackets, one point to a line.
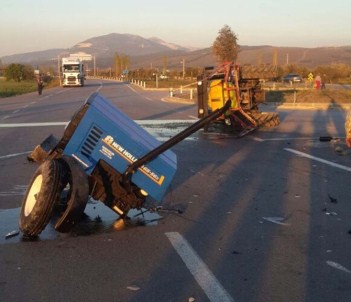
[72, 72]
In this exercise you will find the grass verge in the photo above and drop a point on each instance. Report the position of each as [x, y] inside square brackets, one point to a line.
[12, 88]
[324, 96]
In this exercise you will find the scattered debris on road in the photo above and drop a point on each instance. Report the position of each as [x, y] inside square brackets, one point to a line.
[12, 234]
[277, 220]
[332, 199]
[133, 288]
[338, 266]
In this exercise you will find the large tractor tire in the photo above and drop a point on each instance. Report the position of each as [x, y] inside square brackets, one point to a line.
[77, 185]
[40, 198]
[266, 119]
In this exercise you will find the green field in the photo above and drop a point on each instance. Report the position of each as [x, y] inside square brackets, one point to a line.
[11, 88]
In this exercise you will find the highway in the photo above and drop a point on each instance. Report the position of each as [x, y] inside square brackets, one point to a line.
[259, 219]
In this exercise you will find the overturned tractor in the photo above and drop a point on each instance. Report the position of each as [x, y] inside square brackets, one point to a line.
[242, 86]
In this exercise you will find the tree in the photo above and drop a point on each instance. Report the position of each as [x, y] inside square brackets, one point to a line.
[120, 63]
[225, 46]
[18, 72]
[125, 62]
[117, 64]
[164, 65]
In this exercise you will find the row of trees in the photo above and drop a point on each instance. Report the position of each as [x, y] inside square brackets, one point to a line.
[151, 73]
[330, 73]
[334, 73]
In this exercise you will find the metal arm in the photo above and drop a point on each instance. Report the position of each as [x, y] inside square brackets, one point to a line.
[172, 141]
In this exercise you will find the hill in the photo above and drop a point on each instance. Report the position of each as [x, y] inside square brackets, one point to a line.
[144, 53]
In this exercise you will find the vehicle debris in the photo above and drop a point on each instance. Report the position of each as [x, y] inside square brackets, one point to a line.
[277, 220]
[236, 253]
[242, 85]
[338, 266]
[133, 288]
[325, 138]
[12, 234]
[332, 199]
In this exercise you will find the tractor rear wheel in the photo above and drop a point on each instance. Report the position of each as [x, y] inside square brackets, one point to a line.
[266, 119]
[40, 198]
[76, 181]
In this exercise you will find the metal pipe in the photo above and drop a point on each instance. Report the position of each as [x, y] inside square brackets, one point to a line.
[174, 140]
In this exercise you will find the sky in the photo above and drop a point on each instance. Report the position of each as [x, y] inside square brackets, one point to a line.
[27, 25]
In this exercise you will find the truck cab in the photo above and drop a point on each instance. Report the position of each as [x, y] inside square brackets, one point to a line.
[72, 72]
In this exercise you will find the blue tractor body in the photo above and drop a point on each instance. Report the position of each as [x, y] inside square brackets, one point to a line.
[104, 155]
[105, 133]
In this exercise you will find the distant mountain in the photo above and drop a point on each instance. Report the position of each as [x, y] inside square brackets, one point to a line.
[103, 47]
[170, 45]
[131, 45]
[35, 56]
[144, 53]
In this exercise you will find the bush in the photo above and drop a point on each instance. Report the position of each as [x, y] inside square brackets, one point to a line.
[18, 72]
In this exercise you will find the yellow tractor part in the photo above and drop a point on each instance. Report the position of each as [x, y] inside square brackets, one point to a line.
[219, 93]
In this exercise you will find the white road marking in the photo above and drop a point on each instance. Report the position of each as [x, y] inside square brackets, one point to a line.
[164, 123]
[97, 90]
[33, 124]
[348, 169]
[204, 277]
[257, 139]
[162, 130]
[290, 139]
[17, 190]
[13, 155]
[132, 89]
[63, 90]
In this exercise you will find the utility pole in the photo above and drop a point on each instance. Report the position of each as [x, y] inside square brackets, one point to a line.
[94, 67]
[275, 57]
[58, 69]
[183, 61]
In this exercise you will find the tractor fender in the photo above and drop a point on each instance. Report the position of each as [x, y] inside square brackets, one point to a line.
[78, 197]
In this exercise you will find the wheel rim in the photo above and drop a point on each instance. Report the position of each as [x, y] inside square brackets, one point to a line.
[32, 195]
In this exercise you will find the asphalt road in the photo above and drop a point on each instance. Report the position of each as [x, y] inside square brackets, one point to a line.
[265, 218]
